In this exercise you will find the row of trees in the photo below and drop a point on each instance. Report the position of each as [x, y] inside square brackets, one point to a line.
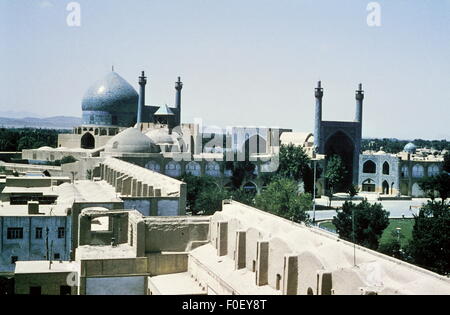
[12, 139]
[436, 186]
[288, 192]
[282, 195]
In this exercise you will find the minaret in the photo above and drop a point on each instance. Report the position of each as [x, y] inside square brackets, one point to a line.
[178, 87]
[141, 103]
[358, 119]
[359, 104]
[318, 116]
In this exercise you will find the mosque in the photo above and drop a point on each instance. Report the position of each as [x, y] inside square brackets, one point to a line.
[118, 122]
[117, 228]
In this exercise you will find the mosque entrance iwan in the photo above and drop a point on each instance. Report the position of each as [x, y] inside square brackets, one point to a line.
[340, 144]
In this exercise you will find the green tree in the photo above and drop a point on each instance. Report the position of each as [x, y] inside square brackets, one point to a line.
[17, 139]
[439, 183]
[335, 172]
[427, 184]
[242, 171]
[353, 190]
[391, 248]
[294, 163]
[334, 175]
[370, 220]
[283, 199]
[68, 159]
[443, 186]
[243, 196]
[195, 186]
[210, 200]
[430, 243]
[446, 164]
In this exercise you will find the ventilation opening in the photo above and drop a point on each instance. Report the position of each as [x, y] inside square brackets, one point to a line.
[278, 285]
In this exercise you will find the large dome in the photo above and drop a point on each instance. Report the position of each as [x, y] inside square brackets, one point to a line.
[131, 140]
[110, 101]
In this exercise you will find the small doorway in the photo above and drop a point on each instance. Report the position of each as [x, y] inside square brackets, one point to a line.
[368, 186]
[385, 188]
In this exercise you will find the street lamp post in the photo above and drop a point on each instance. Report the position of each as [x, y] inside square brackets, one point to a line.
[398, 234]
[353, 236]
[314, 159]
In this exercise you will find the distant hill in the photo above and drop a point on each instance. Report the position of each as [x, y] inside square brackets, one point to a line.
[57, 122]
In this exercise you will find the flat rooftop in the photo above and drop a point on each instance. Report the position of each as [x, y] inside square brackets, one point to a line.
[44, 266]
[8, 210]
[66, 193]
[99, 191]
[90, 252]
[176, 284]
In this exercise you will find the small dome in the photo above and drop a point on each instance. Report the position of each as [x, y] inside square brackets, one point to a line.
[131, 140]
[112, 93]
[410, 148]
[160, 136]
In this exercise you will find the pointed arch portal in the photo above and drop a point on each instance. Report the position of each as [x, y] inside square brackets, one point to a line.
[340, 144]
[87, 141]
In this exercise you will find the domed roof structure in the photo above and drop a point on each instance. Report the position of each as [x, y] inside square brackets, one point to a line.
[131, 140]
[110, 101]
[161, 136]
[410, 148]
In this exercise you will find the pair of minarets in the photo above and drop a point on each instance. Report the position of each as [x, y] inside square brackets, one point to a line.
[141, 102]
[318, 111]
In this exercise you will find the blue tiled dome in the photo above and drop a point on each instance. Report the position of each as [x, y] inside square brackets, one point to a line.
[410, 148]
[110, 101]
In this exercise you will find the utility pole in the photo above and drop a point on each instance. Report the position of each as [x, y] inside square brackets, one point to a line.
[46, 245]
[353, 236]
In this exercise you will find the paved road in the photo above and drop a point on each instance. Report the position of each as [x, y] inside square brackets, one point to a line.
[396, 208]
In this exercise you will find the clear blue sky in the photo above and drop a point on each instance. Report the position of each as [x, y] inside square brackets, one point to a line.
[243, 62]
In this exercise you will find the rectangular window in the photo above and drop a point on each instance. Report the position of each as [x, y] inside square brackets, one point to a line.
[57, 256]
[14, 259]
[14, 233]
[38, 234]
[61, 232]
